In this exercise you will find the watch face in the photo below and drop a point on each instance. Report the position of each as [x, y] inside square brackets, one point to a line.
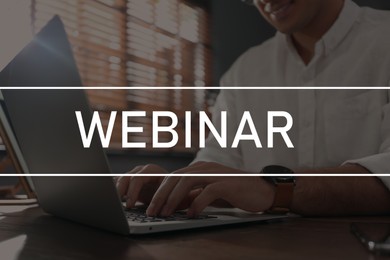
[284, 179]
[276, 169]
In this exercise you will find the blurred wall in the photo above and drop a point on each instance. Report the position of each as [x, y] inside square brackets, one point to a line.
[236, 27]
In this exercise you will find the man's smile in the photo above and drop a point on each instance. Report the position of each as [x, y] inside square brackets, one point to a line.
[277, 10]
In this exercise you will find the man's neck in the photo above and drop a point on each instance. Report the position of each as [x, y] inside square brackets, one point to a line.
[306, 39]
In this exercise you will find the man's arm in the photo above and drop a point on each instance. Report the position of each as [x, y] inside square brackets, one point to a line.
[347, 168]
[335, 196]
[338, 196]
[313, 196]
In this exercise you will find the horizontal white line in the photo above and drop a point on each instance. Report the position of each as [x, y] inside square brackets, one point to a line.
[194, 175]
[193, 88]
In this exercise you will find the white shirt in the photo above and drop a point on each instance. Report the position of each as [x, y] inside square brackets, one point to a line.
[330, 126]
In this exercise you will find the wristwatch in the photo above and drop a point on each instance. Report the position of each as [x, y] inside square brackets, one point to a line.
[284, 188]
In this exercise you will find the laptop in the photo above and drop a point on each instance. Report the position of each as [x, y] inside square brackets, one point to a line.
[47, 135]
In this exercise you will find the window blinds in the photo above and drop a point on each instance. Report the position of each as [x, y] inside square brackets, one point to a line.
[137, 43]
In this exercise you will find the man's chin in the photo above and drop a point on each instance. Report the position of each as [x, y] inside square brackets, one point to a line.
[285, 29]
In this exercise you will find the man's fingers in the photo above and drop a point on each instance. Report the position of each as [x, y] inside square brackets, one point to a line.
[209, 194]
[122, 182]
[179, 192]
[135, 187]
[207, 167]
[173, 191]
[191, 168]
[187, 201]
[121, 185]
[161, 195]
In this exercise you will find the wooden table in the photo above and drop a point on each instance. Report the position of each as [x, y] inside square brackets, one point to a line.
[28, 233]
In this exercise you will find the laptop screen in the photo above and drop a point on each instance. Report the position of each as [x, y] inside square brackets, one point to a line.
[46, 61]
[44, 120]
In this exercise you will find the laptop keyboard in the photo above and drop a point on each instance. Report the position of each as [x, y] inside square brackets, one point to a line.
[139, 215]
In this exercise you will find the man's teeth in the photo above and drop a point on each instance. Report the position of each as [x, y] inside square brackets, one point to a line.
[258, 2]
[268, 8]
[281, 9]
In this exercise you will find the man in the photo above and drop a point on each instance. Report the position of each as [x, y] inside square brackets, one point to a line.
[319, 43]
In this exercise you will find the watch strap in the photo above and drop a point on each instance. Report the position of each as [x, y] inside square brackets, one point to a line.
[283, 198]
[284, 188]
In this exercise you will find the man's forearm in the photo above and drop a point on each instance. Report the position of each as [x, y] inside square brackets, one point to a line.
[347, 168]
[336, 196]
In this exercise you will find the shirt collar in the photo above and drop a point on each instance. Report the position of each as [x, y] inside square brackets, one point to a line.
[333, 37]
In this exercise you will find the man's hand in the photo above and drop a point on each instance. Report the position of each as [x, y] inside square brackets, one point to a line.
[142, 189]
[248, 193]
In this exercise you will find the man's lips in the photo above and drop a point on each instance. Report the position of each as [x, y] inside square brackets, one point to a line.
[276, 9]
[271, 7]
